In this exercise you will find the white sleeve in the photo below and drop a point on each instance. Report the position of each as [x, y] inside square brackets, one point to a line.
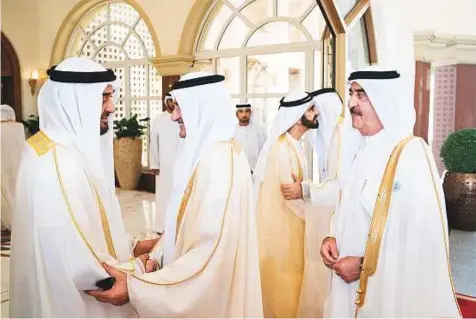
[154, 145]
[324, 194]
[262, 138]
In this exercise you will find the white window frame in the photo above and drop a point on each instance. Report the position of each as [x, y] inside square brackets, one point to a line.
[126, 64]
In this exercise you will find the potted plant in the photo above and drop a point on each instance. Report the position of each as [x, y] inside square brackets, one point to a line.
[32, 125]
[458, 153]
[128, 150]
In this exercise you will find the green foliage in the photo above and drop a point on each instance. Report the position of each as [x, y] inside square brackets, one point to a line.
[131, 127]
[458, 152]
[32, 124]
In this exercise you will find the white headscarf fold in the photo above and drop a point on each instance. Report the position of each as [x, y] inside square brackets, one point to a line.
[167, 97]
[208, 114]
[284, 120]
[7, 113]
[70, 114]
[329, 105]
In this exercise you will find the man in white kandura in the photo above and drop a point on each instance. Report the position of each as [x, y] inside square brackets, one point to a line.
[249, 134]
[211, 254]
[12, 143]
[322, 198]
[164, 143]
[281, 222]
[388, 246]
[67, 219]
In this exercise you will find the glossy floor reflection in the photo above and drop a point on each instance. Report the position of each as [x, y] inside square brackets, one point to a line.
[138, 212]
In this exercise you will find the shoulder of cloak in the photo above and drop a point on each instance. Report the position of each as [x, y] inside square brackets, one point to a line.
[41, 143]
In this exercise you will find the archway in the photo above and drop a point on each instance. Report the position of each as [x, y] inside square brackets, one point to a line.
[11, 79]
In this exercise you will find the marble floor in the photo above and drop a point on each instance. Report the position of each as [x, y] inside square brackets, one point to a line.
[138, 212]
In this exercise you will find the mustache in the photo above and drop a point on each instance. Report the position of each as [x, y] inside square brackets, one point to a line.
[355, 111]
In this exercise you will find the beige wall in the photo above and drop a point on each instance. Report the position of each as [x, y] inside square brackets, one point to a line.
[449, 17]
[32, 25]
[21, 29]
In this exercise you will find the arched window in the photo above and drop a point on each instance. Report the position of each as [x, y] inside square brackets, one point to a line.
[267, 48]
[361, 50]
[115, 35]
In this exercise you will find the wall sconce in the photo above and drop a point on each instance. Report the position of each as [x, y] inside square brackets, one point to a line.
[33, 80]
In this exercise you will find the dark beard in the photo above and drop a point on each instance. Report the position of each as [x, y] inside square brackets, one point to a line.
[310, 124]
[104, 130]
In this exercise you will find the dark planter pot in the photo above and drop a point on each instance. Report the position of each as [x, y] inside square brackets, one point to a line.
[460, 195]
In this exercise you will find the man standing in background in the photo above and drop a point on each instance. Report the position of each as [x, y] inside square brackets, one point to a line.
[280, 222]
[249, 134]
[12, 143]
[164, 142]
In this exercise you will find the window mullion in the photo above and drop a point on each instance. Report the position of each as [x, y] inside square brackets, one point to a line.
[127, 93]
[243, 78]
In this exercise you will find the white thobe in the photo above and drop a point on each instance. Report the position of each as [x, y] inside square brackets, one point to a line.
[214, 271]
[12, 143]
[252, 137]
[412, 277]
[66, 223]
[164, 143]
[322, 199]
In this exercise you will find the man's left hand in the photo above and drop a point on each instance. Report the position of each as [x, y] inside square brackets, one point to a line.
[348, 268]
[293, 190]
[118, 295]
[145, 246]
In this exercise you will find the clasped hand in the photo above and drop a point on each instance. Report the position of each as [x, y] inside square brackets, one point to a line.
[292, 190]
[347, 268]
[118, 295]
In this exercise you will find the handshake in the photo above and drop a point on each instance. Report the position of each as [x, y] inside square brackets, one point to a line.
[147, 264]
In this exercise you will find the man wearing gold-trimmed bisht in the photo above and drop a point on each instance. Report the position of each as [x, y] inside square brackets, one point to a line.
[67, 217]
[322, 197]
[211, 253]
[388, 245]
[281, 222]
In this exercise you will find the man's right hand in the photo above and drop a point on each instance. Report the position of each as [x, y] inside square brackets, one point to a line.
[329, 252]
[292, 190]
[156, 171]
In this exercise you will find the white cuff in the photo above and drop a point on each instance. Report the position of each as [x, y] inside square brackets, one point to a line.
[306, 190]
[157, 255]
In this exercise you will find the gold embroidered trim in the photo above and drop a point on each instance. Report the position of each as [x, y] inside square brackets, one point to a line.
[219, 236]
[184, 202]
[284, 139]
[41, 143]
[443, 228]
[70, 209]
[379, 221]
[71, 213]
[105, 225]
